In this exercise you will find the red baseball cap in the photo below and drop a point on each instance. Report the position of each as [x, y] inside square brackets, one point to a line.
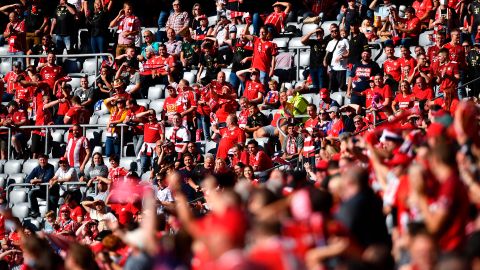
[324, 93]
[322, 165]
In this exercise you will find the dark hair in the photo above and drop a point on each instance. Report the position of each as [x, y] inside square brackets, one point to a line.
[254, 142]
[76, 100]
[82, 256]
[114, 158]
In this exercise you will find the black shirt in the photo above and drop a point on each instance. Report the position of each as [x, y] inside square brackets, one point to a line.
[34, 18]
[257, 120]
[209, 62]
[65, 25]
[318, 49]
[356, 47]
[98, 24]
[240, 51]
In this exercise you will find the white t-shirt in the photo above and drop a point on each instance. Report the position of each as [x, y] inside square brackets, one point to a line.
[341, 48]
[102, 218]
[179, 136]
[163, 195]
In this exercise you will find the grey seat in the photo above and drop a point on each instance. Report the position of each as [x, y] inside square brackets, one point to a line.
[29, 165]
[16, 178]
[13, 166]
[211, 147]
[20, 210]
[143, 102]
[57, 135]
[157, 105]
[17, 196]
[155, 92]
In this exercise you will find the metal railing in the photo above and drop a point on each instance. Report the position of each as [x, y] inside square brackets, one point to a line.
[87, 55]
[42, 185]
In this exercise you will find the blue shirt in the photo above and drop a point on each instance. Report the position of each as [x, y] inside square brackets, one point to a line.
[45, 174]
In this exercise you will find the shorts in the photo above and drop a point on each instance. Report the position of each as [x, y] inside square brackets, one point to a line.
[269, 130]
[38, 144]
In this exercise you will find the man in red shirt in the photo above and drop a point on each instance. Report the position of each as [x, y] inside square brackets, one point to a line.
[77, 114]
[43, 117]
[447, 72]
[157, 69]
[172, 104]
[254, 89]
[457, 55]
[391, 66]
[407, 63]
[51, 72]
[230, 136]
[264, 54]
[447, 214]
[276, 20]
[12, 80]
[78, 150]
[410, 27]
[153, 132]
[421, 90]
[258, 159]
[432, 51]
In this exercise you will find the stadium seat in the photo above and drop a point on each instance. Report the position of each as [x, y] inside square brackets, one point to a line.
[54, 162]
[295, 43]
[20, 210]
[240, 28]
[102, 111]
[17, 196]
[307, 28]
[189, 76]
[145, 177]
[338, 97]
[94, 136]
[157, 105]
[13, 166]
[227, 72]
[3, 180]
[29, 165]
[424, 39]
[129, 163]
[93, 119]
[281, 42]
[304, 59]
[212, 20]
[326, 26]
[102, 120]
[154, 92]
[18, 178]
[89, 65]
[143, 102]
[211, 147]
[97, 149]
[75, 82]
[57, 135]
[71, 65]
[42, 209]
[5, 67]
[2, 164]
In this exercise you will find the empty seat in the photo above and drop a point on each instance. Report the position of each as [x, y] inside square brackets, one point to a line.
[54, 162]
[106, 161]
[20, 210]
[17, 196]
[154, 92]
[304, 59]
[97, 149]
[71, 65]
[145, 177]
[189, 76]
[90, 65]
[13, 166]
[29, 165]
[94, 136]
[307, 28]
[261, 141]
[5, 67]
[57, 135]
[157, 105]
[227, 72]
[143, 102]
[2, 163]
[103, 110]
[212, 20]
[308, 97]
[424, 39]
[102, 120]
[295, 42]
[211, 147]
[326, 26]
[3, 180]
[281, 42]
[129, 163]
[93, 119]
[17, 178]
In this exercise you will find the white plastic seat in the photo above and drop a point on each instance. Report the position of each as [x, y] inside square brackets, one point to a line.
[57, 135]
[71, 65]
[126, 162]
[307, 28]
[19, 178]
[338, 97]
[326, 26]
[17, 196]
[212, 20]
[20, 210]
[154, 92]
[29, 165]
[102, 120]
[93, 119]
[157, 105]
[295, 43]
[5, 67]
[13, 166]
[143, 102]
[424, 39]
[104, 110]
[189, 76]
[211, 147]
[281, 42]
[89, 65]
[304, 59]
[54, 162]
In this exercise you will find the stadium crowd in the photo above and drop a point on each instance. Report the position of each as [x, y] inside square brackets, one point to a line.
[370, 161]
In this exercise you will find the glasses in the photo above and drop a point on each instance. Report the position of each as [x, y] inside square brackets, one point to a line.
[145, 36]
[334, 31]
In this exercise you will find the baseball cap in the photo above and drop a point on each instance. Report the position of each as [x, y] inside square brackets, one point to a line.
[63, 160]
[324, 93]
[202, 17]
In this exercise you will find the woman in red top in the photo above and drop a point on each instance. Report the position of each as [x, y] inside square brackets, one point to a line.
[404, 99]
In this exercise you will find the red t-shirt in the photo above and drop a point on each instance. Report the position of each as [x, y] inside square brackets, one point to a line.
[277, 19]
[385, 91]
[456, 53]
[252, 88]
[263, 53]
[50, 74]
[134, 111]
[404, 102]
[451, 198]
[446, 72]
[425, 94]
[10, 79]
[152, 132]
[261, 160]
[230, 137]
[422, 7]
[392, 67]
[336, 128]
[172, 105]
[158, 64]
[407, 65]
[432, 53]
[415, 24]
[78, 115]
[43, 117]
[124, 212]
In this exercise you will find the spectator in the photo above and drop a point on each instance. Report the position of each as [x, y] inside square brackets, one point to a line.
[14, 119]
[77, 114]
[96, 168]
[43, 117]
[98, 24]
[153, 133]
[275, 22]
[85, 93]
[317, 54]
[178, 135]
[64, 174]
[335, 59]
[39, 175]
[118, 112]
[51, 72]
[129, 26]
[210, 61]
[326, 101]
[173, 46]
[358, 42]
[36, 24]
[41, 48]
[264, 53]
[149, 44]
[256, 120]
[336, 125]
[190, 53]
[410, 27]
[97, 210]
[15, 32]
[78, 150]
[293, 143]
[360, 74]
[11, 79]
[254, 89]
[258, 159]
[63, 26]
[178, 20]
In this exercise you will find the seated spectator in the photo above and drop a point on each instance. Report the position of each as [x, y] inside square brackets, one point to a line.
[229, 136]
[293, 143]
[210, 61]
[64, 174]
[96, 168]
[256, 120]
[326, 102]
[173, 46]
[258, 159]
[275, 22]
[190, 53]
[272, 129]
[115, 173]
[40, 175]
[254, 89]
[271, 100]
[97, 210]
[85, 93]
[404, 99]
[150, 43]
[421, 90]
[409, 27]
[41, 48]
[129, 73]
[336, 125]
[178, 135]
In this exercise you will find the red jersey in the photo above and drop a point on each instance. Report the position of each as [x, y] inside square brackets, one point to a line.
[432, 54]
[407, 65]
[78, 115]
[252, 88]
[414, 24]
[204, 95]
[422, 94]
[392, 67]
[124, 212]
[76, 151]
[404, 102]
[335, 128]
[137, 129]
[277, 19]
[422, 7]
[16, 42]
[64, 107]
[50, 74]
[261, 160]
[152, 132]
[456, 54]
[263, 53]
[10, 79]
[188, 99]
[172, 105]
[43, 117]
[451, 199]
[230, 137]
[311, 124]
[114, 174]
[447, 72]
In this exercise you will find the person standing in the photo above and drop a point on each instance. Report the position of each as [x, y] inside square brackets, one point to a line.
[129, 28]
[63, 26]
[318, 49]
[78, 150]
[336, 60]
